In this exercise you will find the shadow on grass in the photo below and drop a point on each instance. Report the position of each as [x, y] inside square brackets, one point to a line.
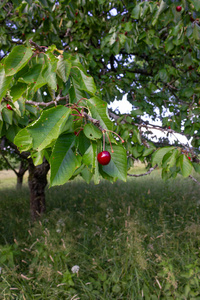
[81, 204]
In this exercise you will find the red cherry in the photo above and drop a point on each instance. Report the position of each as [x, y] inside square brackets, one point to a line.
[104, 158]
[169, 127]
[76, 21]
[76, 133]
[126, 33]
[9, 107]
[182, 47]
[190, 50]
[178, 8]
[76, 13]
[189, 157]
[190, 68]
[43, 19]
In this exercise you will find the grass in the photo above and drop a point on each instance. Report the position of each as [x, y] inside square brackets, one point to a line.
[134, 240]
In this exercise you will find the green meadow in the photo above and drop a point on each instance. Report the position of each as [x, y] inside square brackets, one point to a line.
[134, 240]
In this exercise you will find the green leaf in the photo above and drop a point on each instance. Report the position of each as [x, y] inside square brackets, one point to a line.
[17, 59]
[63, 68]
[48, 127]
[17, 90]
[85, 82]
[4, 83]
[90, 155]
[92, 132]
[98, 109]
[23, 140]
[185, 165]
[86, 174]
[135, 14]
[63, 161]
[196, 4]
[158, 155]
[169, 159]
[196, 32]
[162, 7]
[7, 115]
[148, 151]
[117, 167]
[163, 75]
[37, 157]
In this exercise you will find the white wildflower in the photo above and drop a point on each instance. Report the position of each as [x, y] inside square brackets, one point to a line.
[75, 269]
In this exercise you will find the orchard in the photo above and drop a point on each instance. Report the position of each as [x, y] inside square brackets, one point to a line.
[63, 62]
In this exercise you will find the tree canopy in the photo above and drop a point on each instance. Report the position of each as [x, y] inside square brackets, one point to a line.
[63, 62]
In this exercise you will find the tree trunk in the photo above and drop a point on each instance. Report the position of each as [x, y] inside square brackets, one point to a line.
[20, 174]
[19, 181]
[37, 182]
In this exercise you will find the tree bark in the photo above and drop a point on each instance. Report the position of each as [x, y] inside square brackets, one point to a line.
[20, 174]
[37, 182]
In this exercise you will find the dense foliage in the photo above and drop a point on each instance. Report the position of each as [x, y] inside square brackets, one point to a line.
[52, 107]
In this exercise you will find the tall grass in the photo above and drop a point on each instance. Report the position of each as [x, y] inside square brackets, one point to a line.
[134, 240]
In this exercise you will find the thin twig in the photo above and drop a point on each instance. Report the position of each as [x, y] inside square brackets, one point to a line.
[46, 104]
[144, 174]
[194, 179]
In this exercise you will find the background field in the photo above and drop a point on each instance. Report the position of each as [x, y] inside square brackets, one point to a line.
[134, 240]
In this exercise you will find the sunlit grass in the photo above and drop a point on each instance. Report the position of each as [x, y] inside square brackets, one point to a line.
[134, 240]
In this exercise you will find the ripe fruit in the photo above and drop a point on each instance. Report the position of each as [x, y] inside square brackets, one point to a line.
[76, 13]
[178, 8]
[126, 33]
[190, 50]
[189, 157]
[76, 21]
[169, 127]
[104, 158]
[8, 106]
[190, 68]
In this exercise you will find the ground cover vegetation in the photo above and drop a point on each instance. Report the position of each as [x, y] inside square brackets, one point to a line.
[63, 62]
[138, 240]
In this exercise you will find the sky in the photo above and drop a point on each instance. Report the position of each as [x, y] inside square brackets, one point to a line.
[123, 106]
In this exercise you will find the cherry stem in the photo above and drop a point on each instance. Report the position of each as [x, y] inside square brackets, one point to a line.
[104, 141]
[116, 135]
[110, 143]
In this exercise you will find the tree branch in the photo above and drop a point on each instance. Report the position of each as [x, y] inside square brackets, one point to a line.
[46, 104]
[144, 174]
[194, 179]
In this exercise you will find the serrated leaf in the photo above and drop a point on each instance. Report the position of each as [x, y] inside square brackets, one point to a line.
[63, 68]
[90, 155]
[117, 167]
[85, 82]
[135, 14]
[17, 59]
[169, 159]
[86, 174]
[7, 115]
[98, 109]
[37, 157]
[196, 32]
[92, 132]
[148, 151]
[185, 165]
[50, 75]
[4, 83]
[17, 90]
[158, 155]
[63, 161]
[23, 140]
[196, 4]
[48, 127]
